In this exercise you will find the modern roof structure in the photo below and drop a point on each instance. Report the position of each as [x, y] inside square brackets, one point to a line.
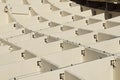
[58, 40]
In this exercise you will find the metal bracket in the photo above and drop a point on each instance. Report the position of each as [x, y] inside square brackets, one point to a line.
[23, 54]
[76, 32]
[83, 52]
[87, 22]
[62, 76]
[119, 42]
[30, 8]
[39, 64]
[70, 4]
[94, 12]
[95, 37]
[34, 35]
[38, 18]
[23, 31]
[61, 45]
[6, 9]
[104, 26]
[73, 18]
[81, 9]
[14, 78]
[51, 69]
[112, 63]
[42, 1]
[46, 40]
[14, 25]
[61, 28]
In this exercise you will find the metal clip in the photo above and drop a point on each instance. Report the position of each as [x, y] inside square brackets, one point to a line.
[6, 9]
[104, 26]
[42, 1]
[81, 8]
[39, 64]
[14, 25]
[33, 36]
[30, 8]
[23, 31]
[70, 4]
[51, 69]
[61, 45]
[119, 41]
[22, 54]
[76, 32]
[46, 40]
[83, 52]
[14, 78]
[95, 37]
[112, 63]
[87, 22]
[62, 76]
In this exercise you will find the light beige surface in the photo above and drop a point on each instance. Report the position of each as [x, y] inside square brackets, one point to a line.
[57, 40]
